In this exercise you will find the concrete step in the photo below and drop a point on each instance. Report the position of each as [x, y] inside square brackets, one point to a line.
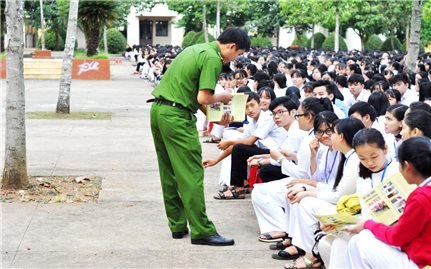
[42, 68]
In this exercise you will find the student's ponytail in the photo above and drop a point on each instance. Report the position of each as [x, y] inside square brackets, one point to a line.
[416, 151]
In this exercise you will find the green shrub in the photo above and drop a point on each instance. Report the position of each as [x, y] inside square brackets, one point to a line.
[318, 41]
[50, 41]
[200, 38]
[300, 40]
[374, 43]
[116, 41]
[188, 38]
[387, 45]
[330, 41]
[261, 42]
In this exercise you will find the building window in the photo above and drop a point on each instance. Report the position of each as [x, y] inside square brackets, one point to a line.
[161, 28]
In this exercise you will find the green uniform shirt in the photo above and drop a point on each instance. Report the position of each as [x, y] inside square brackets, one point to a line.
[195, 68]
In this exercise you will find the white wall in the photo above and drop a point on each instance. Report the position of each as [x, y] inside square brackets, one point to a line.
[353, 41]
[132, 28]
[286, 37]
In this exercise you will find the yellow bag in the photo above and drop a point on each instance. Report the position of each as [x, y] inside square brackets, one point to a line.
[349, 204]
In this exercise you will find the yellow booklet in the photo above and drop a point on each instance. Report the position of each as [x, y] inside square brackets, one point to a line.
[387, 200]
[236, 108]
[339, 220]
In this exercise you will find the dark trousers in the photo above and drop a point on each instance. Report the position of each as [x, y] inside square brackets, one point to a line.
[269, 172]
[240, 154]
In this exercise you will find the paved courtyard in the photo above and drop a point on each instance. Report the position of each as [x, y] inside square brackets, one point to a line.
[127, 228]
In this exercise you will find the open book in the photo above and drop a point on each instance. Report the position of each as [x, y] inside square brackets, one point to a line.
[236, 108]
[385, 203]
[387, 200]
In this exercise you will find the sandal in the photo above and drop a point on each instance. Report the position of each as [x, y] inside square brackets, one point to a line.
[284, 255]
[308, 264]
[281, 245]
[211, 140]
[268, 238]
[235, 195]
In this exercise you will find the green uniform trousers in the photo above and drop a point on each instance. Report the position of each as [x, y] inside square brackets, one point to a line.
[179, 155]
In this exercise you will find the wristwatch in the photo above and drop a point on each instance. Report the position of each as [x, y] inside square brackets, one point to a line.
[259, 164]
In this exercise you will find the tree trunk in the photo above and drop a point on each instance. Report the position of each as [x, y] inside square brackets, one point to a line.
[218, 19]
[392, 39]
[337, 28]
[312, 36]
[15, 166]
[42, 25]
[407, 36]
[63, 103]
[204, 21]
[415, 30]
[105, 40]
[93, 40]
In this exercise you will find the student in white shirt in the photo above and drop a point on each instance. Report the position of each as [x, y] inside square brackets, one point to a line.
[356, 87]
[375, 167]
[401, 83]
[271, 196]
[260, 126]
[324, 88]
[394, 123]
[305, 207]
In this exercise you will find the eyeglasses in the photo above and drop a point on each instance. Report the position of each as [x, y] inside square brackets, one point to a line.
[297, 115]
[279, 113]
[328, 132]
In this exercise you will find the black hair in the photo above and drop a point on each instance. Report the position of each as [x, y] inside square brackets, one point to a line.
[293, 90]
[368, 136]
[253, 96]
[259, 76]
[235, 35]
[394, 94]
[327, 117]
[419, 119]
[243, 89]
[280, 79]
[420, 106]
[314, 106]
[268, 91]
[401, 77]
[380, 102]
[289, 102]
[424, 91]
[363, 108]
[342, 80]
[265, 83]
[252, 68]
[241, 72]
[356, 69]
[398, 110]
[356, 78]
[330, 74]
[298, 73]
[348, 127]
[416, 151]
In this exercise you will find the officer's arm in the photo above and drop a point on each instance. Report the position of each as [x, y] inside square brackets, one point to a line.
[206, 97]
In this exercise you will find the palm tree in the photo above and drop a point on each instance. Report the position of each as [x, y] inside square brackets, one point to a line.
[93, 16]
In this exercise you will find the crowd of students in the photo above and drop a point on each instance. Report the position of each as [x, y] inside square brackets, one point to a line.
[322, 127]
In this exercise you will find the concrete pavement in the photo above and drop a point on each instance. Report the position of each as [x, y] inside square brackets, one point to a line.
[127, 228]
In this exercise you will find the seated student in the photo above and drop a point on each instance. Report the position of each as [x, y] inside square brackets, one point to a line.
[323, 163]
[416, 123]
[274, 191]
[356, 87]
[343, 87]
[324, 88]
[394, 123]
[298, 80]
[401, 83]
[283, 111]
[380, 103]
[279, 84]
[406, 244]
[365, 112]
[260, 126]
[375, 167]
[304, 207]
[394, 96]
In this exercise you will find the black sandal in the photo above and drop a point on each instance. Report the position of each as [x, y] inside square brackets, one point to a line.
[281, 245]
[284, 255]
[235, 195]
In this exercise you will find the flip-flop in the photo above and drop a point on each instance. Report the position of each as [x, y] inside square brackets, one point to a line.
[211, 140]
[269, 239]
[284, 255]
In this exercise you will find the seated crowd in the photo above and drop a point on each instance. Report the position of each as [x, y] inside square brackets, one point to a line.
[320, 127]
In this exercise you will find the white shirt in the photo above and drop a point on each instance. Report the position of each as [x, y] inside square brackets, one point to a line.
[349, 99]
[409, 97]
[363, 96]
[327, 166]
[389, 138]
[301, 169]
[265, 127]
[347, 184]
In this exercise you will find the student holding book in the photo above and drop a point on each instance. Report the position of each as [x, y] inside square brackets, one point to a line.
[406, 244]
[375, 167]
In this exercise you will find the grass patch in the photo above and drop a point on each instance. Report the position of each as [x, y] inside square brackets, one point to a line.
[44, 115]
[82, 54]
[3, 55]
